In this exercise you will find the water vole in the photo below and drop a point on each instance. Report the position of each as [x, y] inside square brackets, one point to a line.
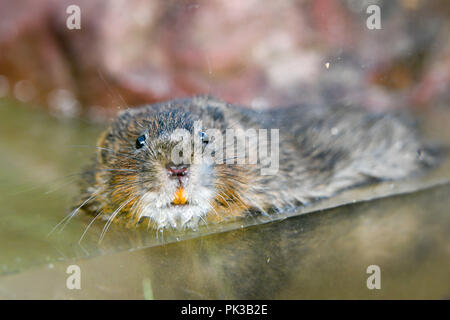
[310, 152]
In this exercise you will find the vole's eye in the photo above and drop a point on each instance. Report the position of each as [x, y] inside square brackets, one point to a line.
[140, 142]
[204, 137]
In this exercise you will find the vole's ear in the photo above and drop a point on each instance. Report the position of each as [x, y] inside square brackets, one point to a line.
[101, 151]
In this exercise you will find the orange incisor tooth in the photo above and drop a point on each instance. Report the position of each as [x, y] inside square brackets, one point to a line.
[180, 196]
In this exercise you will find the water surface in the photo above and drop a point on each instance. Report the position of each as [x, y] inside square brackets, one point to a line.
[320, 251]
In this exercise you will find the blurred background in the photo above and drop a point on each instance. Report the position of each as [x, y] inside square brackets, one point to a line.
[260, 54]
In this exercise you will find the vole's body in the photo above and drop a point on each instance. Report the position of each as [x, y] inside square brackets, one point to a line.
[322, 150]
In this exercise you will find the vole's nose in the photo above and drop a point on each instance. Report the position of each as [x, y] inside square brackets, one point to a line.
[177, 170]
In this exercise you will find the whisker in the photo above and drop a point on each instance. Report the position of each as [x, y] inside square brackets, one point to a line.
[111, 91]
[59, 186]
[139, 124]
[126, 155]
[73, 213]
[16, 193]
[98, 214]
[118, 170]
[135, 206]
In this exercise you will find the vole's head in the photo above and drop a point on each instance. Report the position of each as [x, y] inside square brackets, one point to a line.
[153, 165]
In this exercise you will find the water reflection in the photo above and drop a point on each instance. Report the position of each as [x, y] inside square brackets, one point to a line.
[320, 255]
